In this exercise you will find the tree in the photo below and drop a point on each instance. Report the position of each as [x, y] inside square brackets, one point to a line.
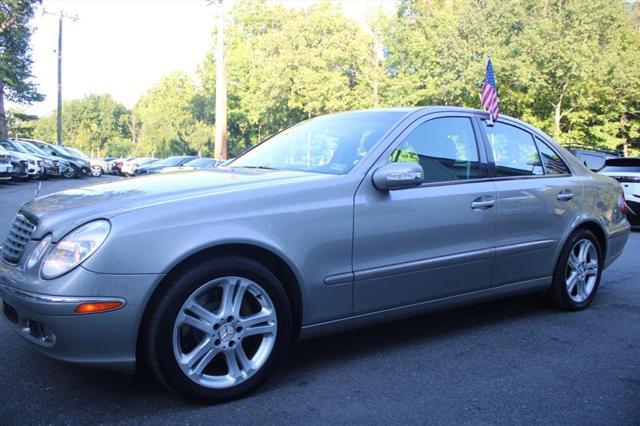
[285, 65]
[167, 117]
[90, 123]
[15, 56]
[21, 124]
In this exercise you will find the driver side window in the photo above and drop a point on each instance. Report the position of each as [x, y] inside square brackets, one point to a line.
[445, 148]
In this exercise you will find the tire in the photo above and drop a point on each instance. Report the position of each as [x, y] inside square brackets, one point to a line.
[575, 283]
[163, 340]
[96, 171]
[70, 173]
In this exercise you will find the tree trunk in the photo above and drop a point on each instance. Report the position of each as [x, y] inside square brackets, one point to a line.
[625, 135]
[3, 117]
[558, 117]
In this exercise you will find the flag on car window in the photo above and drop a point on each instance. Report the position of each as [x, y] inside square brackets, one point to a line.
[489, 95]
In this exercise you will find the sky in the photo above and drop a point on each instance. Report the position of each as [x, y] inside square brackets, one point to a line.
[124, 47]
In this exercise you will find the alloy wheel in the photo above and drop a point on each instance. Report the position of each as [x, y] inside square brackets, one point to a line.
[224, 332]
[582, 270]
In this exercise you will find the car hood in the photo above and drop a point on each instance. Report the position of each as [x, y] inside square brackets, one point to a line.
[60, 212]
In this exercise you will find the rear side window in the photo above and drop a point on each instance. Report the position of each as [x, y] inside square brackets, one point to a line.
[445, 148]
[514, 151]
[553, 164]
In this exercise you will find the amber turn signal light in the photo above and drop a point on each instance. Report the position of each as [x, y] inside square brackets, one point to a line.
[90, 308]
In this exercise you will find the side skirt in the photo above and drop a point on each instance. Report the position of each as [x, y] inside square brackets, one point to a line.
[362, 320]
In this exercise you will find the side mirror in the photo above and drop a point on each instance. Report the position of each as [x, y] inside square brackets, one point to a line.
[398, 176]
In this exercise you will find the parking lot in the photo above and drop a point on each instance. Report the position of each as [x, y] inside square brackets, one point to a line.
[512, 361]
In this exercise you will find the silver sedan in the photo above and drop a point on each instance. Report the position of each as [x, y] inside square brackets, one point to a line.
[345, 220]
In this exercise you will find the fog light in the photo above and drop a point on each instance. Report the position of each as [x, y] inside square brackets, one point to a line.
[90, 308]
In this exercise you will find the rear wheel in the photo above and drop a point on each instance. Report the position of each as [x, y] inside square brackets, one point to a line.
[577, 275]
[215, 333]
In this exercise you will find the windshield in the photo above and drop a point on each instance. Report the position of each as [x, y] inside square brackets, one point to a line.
[200, 162]
[33, 149]
[12, 146]
[328, 144]
[171, 161]
[76, 153]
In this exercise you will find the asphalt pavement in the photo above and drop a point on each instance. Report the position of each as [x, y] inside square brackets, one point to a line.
[512, 361]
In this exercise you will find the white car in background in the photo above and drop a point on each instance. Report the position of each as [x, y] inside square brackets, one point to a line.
[35, 165]
[6, 168]
[627, 172]
[129, 167]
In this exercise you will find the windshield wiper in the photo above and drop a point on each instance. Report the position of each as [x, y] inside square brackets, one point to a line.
[254, 167]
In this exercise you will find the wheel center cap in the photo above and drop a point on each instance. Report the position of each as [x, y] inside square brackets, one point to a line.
[226, 332]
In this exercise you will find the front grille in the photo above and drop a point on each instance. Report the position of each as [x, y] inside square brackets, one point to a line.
[39, 163]
[19, 235]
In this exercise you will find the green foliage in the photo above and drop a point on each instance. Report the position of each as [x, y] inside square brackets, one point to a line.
[168, 117]
[570, 67]
[15, 56]
[285, 65]
[21, 124]
[88, 124]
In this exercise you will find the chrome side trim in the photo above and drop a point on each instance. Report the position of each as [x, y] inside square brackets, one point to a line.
[416, 265]
[523, 247]
[45, 298]
[371, 318]
[346, 278]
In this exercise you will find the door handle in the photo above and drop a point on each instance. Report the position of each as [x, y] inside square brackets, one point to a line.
[565, 195]
[483, 203]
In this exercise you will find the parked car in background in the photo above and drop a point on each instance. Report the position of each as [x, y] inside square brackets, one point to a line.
[196, 164]
[159, 165]
[6, 168]
[592, 158]
[97, 166]
[341, 221]
[51, 164]
[34, 165]
[116, 165]
[78, 166]
[129, 167]
[627, 172]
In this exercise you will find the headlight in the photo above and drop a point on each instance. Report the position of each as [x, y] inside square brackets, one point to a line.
[37, 252]
[75, 248]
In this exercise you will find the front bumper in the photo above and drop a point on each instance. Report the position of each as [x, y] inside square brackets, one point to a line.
[42, 312]
[6, 171]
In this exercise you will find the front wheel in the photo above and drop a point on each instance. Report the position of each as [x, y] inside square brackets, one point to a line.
[216, 332]
[69, 173]
[577, 275]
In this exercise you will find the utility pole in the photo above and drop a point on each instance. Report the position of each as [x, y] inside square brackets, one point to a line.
[220, 144]
[61, 16]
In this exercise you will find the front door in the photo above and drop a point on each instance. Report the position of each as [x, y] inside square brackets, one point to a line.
[432, 241]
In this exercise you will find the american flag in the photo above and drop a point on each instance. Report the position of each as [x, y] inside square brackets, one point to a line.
[490, 101]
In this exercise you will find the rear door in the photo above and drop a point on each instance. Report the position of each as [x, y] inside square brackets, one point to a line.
[537, 201]
[436, 240]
